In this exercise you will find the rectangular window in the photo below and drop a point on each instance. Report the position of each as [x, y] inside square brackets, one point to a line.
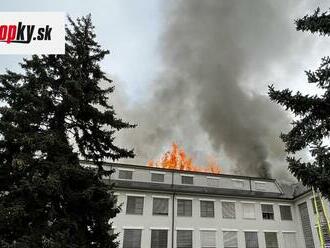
[184, 239]
[306, 225]
[212, 182]
[285, 212]
[124, 174]
[230, 239]
[271, 240]
[207, 208]
[160, 206]
[228, 210]
[251, 240]
[184, 207]
[290, 240]
[318, 204]
[267, 211]
[134, 205]
[239, 184]
[157, 177]
[187, 180]
[260, 186]
[159, 238]
[208, 239]
[249, 211]
[132, 238]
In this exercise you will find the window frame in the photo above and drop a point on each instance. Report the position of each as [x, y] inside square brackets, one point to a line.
[184, 230]
[290, 208]
[177, 207]
[132, 229]
[212, 179]
[223, 238]
[254, 232]
[214, 231]
[206, 212]
[159, 230]
[222, 209]
[127, 203]
[267, 215]
[157, 173]
[153, 205]
[260, 183]
[187, 176]
[276, 235]
[125, 170]
[238, 183]
[254, 212]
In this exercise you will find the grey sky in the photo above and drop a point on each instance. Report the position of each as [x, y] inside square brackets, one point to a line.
[128, 28]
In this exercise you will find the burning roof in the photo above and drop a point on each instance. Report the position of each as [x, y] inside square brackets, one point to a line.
[177, 159]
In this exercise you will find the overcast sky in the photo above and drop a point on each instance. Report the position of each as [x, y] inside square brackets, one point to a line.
[134, 32]
[128, 28]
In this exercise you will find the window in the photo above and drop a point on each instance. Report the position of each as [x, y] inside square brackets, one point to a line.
[290, 240]
[267, 211]
[260, 186]
[158, 238]
[132, 238]
[187, 180]
[248, 211]
[207, 208]
[184, 239]
[230, 239]
[184, 207]
[125, 174]
[285, 212]
[160, 206]
[208, 239]
[157, 177]
[271, 240]
[251, 240]
[134, 205]
[228, 210]
[238, 183]
[212, 182]
[318, 203]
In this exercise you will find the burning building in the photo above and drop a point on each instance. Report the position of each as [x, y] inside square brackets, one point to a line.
[178, 208]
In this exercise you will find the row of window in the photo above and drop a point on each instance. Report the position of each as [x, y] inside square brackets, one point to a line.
[184, 239]
[135, 204]
[155, 177]
[189, 180]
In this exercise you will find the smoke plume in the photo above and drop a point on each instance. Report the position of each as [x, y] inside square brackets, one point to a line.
[217, 57]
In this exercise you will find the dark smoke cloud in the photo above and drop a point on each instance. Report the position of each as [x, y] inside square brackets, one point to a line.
[215, 53]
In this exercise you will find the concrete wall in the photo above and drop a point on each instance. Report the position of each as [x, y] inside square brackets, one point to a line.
[147, 221]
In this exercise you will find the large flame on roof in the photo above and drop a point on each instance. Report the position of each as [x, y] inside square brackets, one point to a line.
[177, 159]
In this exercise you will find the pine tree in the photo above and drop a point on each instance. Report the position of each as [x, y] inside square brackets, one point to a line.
[53, 112]
[312, 125]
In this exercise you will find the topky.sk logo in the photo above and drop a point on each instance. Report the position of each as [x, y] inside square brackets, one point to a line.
[21, 33]
[32, 33]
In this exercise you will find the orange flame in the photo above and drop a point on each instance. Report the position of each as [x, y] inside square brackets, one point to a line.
[177, 159]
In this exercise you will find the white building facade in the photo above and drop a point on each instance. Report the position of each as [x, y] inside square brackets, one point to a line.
[179, 209]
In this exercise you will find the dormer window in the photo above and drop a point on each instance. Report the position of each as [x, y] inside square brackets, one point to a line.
[187, 179]
[238, 183]
[260, 186]
[157, 177]
[125, 174]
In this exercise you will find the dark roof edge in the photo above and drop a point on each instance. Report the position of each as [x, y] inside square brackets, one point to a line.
[181, 171]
